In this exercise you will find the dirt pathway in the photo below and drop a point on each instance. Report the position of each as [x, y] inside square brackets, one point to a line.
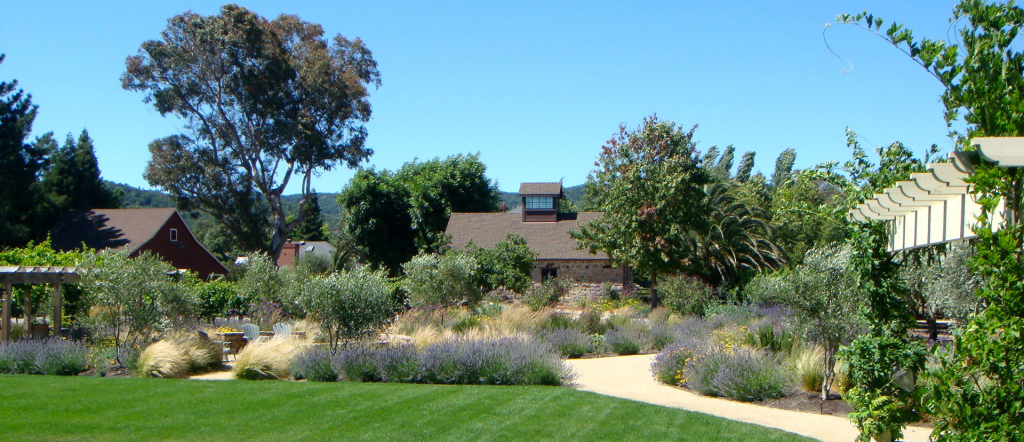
[630, 377]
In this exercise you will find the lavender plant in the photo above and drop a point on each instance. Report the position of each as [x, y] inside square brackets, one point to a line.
[314, 364]
[570, 343]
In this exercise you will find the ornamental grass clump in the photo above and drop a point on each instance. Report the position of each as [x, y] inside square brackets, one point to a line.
[49, 357]
[162, 359]
[271, 359]
[569, 342]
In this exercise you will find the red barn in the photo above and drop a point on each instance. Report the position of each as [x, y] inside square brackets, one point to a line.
[162, 232]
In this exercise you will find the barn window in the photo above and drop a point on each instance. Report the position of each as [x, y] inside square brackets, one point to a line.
[174, 235]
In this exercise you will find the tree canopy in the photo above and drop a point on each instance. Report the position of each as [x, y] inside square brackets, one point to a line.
[20, 162]
[648, 182]
[264, 101]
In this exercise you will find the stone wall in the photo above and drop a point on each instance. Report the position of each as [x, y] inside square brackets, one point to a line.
[594, 271]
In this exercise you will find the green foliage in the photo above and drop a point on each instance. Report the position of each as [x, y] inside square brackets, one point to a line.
[308, 119]
[348, 305]
[20, 161]
[215, 298]
[736, 240]
[883, 362]
[547, 293]
[72, 182]
[432, 279]
[134, 296]
[42, 254]
[648, 184]
[392, 215]
[687, 295]
[262, 281]
[507, 265]
[807, 212]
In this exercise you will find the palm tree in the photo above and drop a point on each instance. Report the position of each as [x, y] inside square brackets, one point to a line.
[738, 237]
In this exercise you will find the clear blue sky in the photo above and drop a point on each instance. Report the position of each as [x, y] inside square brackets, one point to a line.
[535, 87]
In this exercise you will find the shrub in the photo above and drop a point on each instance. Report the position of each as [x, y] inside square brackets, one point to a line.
[663, 316]
[686, 295]
[590, 321]
[747, 374]
[507, 265]
[569, 342]
[215, 298]
[661, 336]
[50, 357]
[432, 279]
[547, 293]
[162, 359]
[63, 358]
[314, 364]
[363, 363]
[559, 320]
[348, 305]
[271, 359]
[627, 340]
[505, 361]
[669, 364]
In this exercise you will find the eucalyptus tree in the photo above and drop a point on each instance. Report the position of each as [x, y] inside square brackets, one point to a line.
[264, 102]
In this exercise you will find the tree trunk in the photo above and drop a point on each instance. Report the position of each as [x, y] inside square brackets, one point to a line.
[933, 327]
[654, 289]
[830, 373]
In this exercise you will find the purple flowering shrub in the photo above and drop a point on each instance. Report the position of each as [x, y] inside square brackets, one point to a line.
[505, 361]
[713, 368]
[51, 357]
[314, 364]
[627, 340]
[570, 343]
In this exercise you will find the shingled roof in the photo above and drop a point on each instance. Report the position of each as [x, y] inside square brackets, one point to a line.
[113, 229]
[552, 189]
[550, 240]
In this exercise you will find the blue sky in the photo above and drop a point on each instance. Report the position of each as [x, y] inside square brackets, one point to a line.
[535, 87]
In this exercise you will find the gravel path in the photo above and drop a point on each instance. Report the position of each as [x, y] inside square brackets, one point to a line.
[630, 377]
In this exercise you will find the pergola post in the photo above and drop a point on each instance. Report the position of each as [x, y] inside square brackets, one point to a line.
[57, 306]
[5, 334]
[28, 312]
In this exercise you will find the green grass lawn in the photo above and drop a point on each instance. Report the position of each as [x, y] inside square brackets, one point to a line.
[52, 408]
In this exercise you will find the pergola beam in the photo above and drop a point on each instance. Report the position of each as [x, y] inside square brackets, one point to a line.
[55, 276]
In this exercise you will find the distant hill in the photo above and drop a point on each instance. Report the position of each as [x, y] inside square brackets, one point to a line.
[135, 198]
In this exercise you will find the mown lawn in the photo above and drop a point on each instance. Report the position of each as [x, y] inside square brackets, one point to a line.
[52, 408]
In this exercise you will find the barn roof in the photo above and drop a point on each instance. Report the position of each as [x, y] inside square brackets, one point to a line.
[550, 240]
[113, 229]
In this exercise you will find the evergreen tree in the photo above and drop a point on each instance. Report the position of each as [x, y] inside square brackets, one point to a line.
[73, 180]
[20, 162]
[312, 228]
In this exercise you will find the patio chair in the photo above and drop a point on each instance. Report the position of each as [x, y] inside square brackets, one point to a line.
[252, 332]
[283, 330]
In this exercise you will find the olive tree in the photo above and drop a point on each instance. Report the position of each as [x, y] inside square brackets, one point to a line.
[135, 297]
[432, 279]
[348, 305]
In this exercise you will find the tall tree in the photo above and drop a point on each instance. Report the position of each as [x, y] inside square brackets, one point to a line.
[20, 162]
[394, 215]
[72, 182]
[737, 238]
[746, 166]
[784, 167]
[439, 187]
[264, 102]
[649, 185]
[379, 218]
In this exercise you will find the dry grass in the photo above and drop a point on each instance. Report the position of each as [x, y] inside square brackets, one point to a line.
[270, 359]
[809, 367]
[663, 316]
[163, 359]
[517, 319]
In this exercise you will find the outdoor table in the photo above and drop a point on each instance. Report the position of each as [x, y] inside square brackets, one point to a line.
[234, 341]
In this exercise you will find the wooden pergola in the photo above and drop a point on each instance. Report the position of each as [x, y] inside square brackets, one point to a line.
[55, 276]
